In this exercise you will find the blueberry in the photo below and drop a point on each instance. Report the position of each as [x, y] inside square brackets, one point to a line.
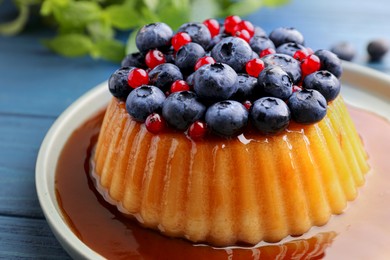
[216, 39]
[344, 50]
[163, 75]
[377, 49]
[254, 55]
[324, 82]
[270, 115]
[135, 59]
[154, 36]
[215, 82]
[143, 101]
[199, 33]
[117, 83]
[170, 55]
[246, 86]
[181, 109]
[275, 82]
[259, 31]
[290, 48]
[260, 43]
[330, 62]
[227, 118]
[307, 106]
[190, 79]
[233, 51]
[188, 55]
[286, 62]
[283, 35]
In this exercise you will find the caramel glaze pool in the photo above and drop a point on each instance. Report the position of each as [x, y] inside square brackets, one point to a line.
[101, 227]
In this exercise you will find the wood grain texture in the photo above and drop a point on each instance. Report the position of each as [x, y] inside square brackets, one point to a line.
[36, 86]
[29, 238]
[20, 139]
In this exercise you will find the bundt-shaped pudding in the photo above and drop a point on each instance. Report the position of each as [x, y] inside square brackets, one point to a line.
[213, 138]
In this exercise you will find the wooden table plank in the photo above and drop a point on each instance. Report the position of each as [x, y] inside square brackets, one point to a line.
[23, 237]
[34, 81]
[20, 139]
[324, 23]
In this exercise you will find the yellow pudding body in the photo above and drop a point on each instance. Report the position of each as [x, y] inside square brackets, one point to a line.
[224, 191]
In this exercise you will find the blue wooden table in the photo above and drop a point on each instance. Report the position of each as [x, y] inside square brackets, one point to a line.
[37, 85]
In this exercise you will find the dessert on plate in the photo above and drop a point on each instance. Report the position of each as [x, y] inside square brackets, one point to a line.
[222, 134]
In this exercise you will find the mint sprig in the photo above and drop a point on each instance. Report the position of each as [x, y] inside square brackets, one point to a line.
[87, 27]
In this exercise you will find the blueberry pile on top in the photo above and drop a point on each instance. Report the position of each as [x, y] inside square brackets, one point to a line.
[217, 78]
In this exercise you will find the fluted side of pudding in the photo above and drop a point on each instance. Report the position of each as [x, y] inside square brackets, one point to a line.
[222, 191]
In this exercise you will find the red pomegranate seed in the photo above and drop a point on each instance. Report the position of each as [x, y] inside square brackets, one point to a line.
[179, 85]
[247, 104]
[296, 88]
[310, 64]
[137, 77]
[254, 67]
[300, 55]
[203, 61]
[245, 25]
[243, 34]
[154, 123]
[197, 130]
[266, 52]
[230, 23]
[180, 39]
[213, 26]
[154, 58]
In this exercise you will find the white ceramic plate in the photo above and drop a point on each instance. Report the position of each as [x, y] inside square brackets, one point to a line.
[362, 87]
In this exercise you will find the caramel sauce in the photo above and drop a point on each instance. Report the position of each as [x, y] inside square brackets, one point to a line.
[102, 228]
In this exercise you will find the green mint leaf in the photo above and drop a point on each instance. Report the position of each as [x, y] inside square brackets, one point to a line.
[100, 30]
[122, 16]
[70, 45]
[174, 16]
[274, 3]
[148, 16]
[48, 6]
[243, 7]
[111, 50]
[151, 4]
[199, 13]
[77, 14]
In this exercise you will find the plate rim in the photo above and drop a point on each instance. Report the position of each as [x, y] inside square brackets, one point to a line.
[71, 119]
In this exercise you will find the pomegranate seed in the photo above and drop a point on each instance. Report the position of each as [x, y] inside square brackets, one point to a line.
[254, 67]
[137, 77]
[310, 64]
[296, 88]
[243, 34]
[197, 130]
[154, 58]
[245, 25]
[203, 61]
[179, 85]
[213, 26]
[247, 104]
[154, 123]
[230, 23]
[180, 39]
[266, 52]
[300, 55]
